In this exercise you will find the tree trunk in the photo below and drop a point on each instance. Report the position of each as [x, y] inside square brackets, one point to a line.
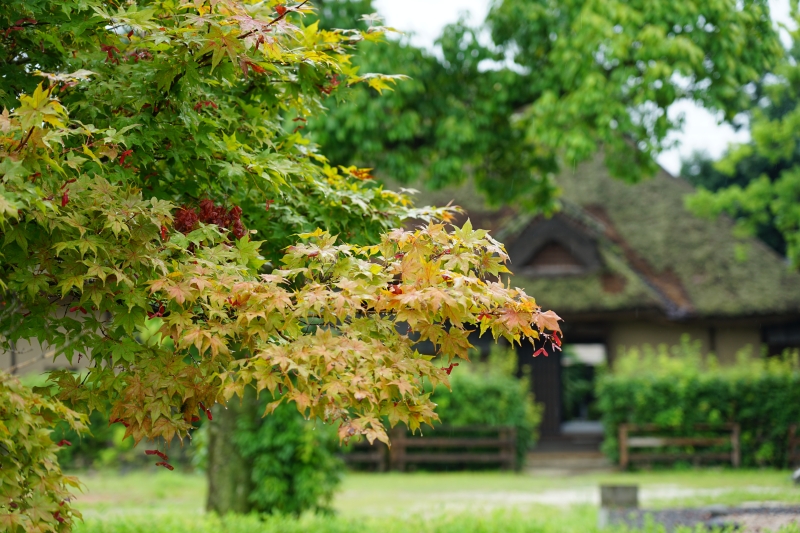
[229, 482]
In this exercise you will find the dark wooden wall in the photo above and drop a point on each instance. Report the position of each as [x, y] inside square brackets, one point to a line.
[545, 372]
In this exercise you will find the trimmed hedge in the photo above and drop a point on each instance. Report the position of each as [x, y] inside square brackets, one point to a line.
[677, 388]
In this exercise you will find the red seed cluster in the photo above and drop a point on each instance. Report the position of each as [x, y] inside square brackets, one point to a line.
[121, 421]
[186, 218]
[162, 455]
[207, 410]
[450, 368]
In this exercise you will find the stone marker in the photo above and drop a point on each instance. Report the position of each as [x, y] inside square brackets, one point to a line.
[615, 501]
[796, 477]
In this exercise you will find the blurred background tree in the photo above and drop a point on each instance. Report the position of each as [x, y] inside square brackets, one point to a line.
[758, 183]
[544, 85]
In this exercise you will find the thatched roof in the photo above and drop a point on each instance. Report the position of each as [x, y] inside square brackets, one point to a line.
[648, 253]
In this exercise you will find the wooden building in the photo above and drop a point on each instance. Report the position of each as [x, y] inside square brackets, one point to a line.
[627, 265]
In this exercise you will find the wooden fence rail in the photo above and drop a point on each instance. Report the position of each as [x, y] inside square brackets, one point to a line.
[794, 445]
[627, 442]
[445, 446]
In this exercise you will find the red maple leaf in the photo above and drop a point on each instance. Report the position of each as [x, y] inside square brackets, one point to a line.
[124, 155]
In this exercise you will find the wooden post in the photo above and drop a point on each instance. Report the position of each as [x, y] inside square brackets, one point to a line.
[384, 457]
[736, 454]
[623, 446]
[791, 456]
[397, 452]
[508, 447]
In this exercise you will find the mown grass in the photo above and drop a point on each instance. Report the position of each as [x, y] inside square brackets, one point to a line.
[171, 502]
[386, 493]
[578, 520]
[376, 494]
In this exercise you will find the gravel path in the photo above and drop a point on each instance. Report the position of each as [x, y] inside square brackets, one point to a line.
[749, 519]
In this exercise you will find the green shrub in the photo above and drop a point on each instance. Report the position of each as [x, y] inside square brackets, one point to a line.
[294, 462]
[677, 388]
[490, 393]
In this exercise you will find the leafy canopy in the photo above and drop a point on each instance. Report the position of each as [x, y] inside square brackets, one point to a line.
[761, 179]
[559, 81]
[154, 178]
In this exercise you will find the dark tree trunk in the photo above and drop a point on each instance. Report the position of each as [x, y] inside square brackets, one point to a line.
[229, 483]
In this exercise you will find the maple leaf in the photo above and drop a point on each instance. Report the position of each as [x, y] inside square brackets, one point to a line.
[404, 387]
[515, 320]
[180, 292]
[454, 343]
[547, 320]
[5, 121]
[220, 44]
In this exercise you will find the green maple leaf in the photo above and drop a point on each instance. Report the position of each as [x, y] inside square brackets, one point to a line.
[128, 320]
[124, 350]
[221, 44]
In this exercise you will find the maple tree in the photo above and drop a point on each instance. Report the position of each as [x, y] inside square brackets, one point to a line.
[160, 210]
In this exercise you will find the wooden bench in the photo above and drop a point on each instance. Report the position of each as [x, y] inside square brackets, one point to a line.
[365, 455]
[474, 445]
[793, 455]
[627, 442]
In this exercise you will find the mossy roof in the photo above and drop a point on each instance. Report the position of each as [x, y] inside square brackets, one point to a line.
[667, 258]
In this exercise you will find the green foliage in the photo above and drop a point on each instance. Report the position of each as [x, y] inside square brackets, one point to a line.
[578, 381]
[606, 71]
[762, 192]
[450, 120]
[343, 13]
[294, 467]
[489, 393]
[677, 388]
[137, 165]
[34, 494]
[88, 448]
[198, 105]
[87, 444]
[559, 81]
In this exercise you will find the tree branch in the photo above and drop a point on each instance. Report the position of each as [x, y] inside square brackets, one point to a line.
[276, 19]
[24, 141]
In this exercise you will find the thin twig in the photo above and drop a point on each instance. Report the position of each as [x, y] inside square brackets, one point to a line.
[276, 19]
[24, 141]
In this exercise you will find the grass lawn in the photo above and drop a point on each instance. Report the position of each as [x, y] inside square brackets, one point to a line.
[400, 493]
[158, 501]
[443, 493]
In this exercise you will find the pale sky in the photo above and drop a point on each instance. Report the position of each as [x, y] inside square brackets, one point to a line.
[426, 18]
